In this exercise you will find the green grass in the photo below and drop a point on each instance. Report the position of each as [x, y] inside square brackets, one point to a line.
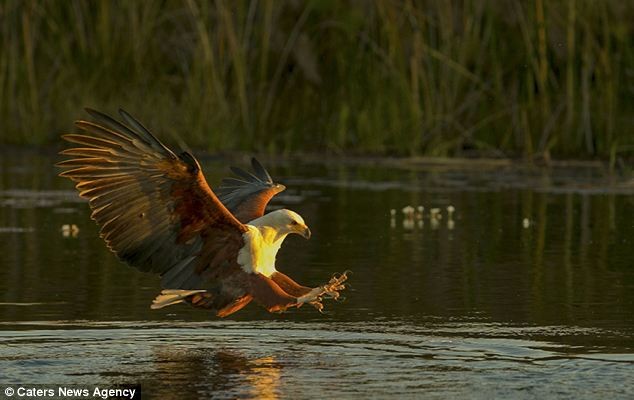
[441, 78]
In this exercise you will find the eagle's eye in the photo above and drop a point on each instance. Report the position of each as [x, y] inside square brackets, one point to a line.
[293, 222]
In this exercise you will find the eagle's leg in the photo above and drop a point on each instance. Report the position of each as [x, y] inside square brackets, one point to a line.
[268, 294]
[288, 285]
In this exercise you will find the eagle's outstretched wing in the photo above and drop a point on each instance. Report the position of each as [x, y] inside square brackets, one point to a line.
[248, 196]
[155, 208]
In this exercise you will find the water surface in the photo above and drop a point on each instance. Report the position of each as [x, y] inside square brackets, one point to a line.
[487, 305]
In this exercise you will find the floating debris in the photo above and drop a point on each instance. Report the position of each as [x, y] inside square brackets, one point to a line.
[70, 230]
[450, 222]
[408, 220]
[434, 223]
[408, 223]
[414, 217]
[408, 211]
[526, 223]
[450, 211]
[434, 217]
[392, 218]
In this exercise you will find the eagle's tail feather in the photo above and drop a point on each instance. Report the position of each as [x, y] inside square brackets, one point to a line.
[170, 297]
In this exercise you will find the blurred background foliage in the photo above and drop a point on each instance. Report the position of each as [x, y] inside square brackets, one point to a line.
[505, 78]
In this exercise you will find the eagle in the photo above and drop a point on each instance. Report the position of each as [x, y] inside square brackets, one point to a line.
[157, 213]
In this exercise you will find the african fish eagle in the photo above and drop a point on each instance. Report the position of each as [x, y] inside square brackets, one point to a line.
[158, 214]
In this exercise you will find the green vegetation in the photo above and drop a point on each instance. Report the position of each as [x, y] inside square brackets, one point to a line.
[441, 78]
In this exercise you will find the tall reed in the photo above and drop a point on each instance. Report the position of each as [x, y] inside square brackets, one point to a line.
[505, 78]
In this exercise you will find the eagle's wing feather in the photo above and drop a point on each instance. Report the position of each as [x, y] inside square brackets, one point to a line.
[247, 196]
[155, 209]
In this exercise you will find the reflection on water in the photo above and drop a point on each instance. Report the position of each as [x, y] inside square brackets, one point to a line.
[213, 371]
[487, 306]
[269, 359]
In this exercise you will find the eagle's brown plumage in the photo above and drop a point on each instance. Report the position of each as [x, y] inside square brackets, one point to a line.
[247, 196]
[158, 214]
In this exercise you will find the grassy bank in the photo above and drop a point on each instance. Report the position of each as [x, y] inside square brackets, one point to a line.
[439, 78]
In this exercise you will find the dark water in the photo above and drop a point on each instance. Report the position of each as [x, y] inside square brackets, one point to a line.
[482, 307]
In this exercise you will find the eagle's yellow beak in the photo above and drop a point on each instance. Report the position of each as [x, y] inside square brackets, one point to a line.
[304, 231]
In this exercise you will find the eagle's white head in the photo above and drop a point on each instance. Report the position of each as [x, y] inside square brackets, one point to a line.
[264, 238]
[284, 222]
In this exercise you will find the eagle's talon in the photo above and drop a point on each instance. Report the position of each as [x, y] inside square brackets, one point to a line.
[330, 290]
[333, 294]
[318, 305]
